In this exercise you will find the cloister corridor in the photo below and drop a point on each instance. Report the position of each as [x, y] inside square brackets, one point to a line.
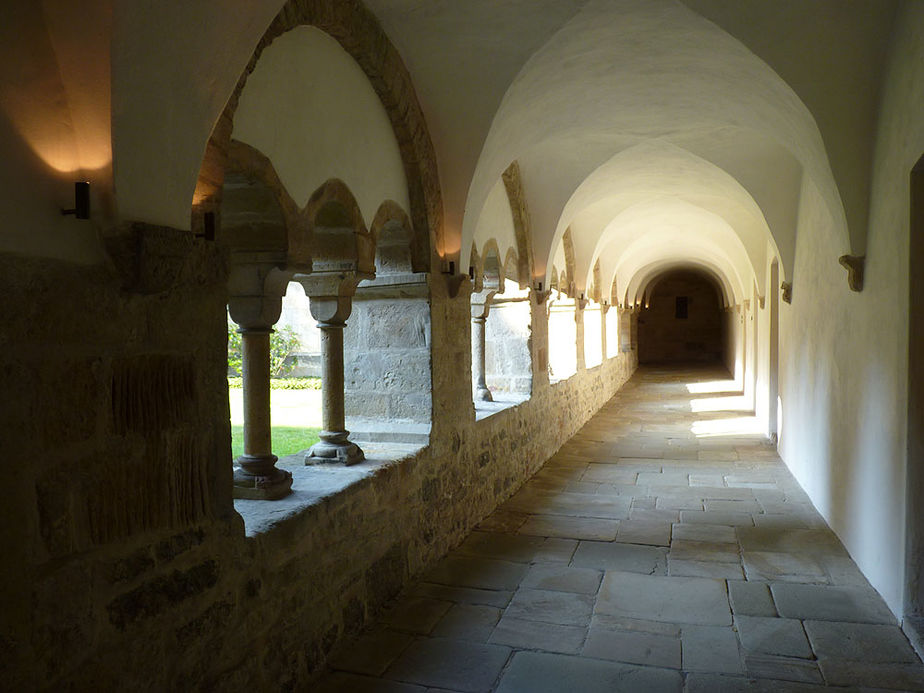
[664, 548]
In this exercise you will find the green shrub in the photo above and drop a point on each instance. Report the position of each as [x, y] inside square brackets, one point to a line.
[283, 341]
[281, 383]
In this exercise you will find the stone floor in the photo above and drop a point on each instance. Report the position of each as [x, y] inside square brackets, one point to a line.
[665, 547]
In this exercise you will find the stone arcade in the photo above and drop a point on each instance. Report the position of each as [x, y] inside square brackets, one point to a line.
[583, 269]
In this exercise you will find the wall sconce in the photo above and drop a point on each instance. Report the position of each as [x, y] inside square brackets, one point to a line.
[471, 272]
[539, 287]
[448, 267]
[81, 201]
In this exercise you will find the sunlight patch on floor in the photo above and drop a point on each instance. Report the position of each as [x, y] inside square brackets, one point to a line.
[713, 386]
[726, 427]
[726, 403]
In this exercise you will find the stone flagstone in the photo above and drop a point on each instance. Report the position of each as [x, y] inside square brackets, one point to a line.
[566, 588]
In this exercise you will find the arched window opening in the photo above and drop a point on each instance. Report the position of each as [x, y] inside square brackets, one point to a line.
[508, 364]
[387, 344]
[295, 378]
[562, 337]
[593, 334]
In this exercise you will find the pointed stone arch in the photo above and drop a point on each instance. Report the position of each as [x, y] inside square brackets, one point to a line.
[521, 224]
[335, 233]
[359, 33]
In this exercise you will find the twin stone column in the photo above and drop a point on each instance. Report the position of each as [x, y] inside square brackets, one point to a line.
[256, 475]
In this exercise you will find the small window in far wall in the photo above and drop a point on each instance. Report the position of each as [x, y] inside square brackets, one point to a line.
[680, 311]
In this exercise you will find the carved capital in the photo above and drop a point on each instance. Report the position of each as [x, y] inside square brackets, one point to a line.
[786, 292]
[331, 309]
[481, 303]
[855, 265]
[255, 312]
[331, 283]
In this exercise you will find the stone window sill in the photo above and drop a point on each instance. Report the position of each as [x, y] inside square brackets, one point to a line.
[311, 484]
[502, 401]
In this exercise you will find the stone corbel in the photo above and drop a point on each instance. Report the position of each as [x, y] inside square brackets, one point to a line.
[481, 304]
[581, 303]
[854, 265]
[786, 292]
[454, 283]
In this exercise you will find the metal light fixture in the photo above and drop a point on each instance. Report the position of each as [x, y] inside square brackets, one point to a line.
[81, 201]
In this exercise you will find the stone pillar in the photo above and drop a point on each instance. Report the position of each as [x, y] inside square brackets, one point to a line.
[330, 295]
[331, 312]
[256, 476]
[481, 306]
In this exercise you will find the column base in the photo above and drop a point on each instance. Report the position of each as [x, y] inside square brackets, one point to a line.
[273, 485]
[334, 447]
[483, 394]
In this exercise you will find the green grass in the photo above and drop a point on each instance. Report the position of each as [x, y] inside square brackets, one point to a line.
[287, 440]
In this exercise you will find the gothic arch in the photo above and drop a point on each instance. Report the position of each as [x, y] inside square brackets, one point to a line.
[359, 33]
[521, 225]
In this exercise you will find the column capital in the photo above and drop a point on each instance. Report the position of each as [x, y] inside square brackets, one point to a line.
[481, 303]
[331, 284]
[331, 311]
[255, 313]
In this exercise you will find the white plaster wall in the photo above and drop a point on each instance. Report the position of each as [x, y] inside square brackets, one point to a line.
[310, 108]
[562, 340]
[845, 356]
[54, 125]
[174, 66]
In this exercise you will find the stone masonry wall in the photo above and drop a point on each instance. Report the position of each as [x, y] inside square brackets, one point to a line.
[126, 567]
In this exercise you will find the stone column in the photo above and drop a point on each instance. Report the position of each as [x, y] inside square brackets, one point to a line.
[481, 306]
[256, 476]
[331, 312]
[330, 295]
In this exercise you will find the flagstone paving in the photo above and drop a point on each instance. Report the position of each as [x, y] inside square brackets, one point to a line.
[664, 548]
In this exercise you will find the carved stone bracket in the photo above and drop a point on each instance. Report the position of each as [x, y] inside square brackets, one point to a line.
[855, 265]
[786, 292]
[454, 283]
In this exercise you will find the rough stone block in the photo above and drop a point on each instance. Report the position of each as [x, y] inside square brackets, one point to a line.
[773, 636]
[551, 673]
[826, 603]
[625, 557]
[669, 599]
[633, 647]
[750, 599]
[548, 606]
[536, 635]
[452, 664]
